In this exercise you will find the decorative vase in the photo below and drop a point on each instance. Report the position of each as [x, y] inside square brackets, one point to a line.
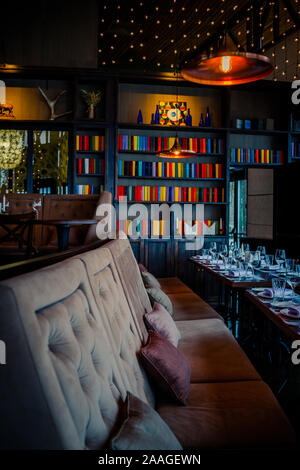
[201, 123]
[140, 118]
[207, 118]
[157, 115]
[188, 118]
[91, 111]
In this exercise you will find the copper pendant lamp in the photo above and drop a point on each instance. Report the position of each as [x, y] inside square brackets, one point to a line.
[176, 150]
[227, 67]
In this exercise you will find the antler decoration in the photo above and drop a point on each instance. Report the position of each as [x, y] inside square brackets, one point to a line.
[52, 103]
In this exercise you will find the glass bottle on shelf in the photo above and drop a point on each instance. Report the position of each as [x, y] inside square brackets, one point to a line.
[201, 123]
[140, 117]
[152, 118]
[188, 118]
[157, 115]
[207, 118]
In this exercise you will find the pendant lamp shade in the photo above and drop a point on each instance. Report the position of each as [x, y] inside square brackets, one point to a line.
[225, 67]
[176, 151]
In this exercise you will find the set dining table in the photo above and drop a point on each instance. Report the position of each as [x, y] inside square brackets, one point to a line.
[234, 290]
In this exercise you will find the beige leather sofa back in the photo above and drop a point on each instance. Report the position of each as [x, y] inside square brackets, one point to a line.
[61, 386]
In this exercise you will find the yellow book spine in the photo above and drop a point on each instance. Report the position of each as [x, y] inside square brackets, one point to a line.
[189, 194]
[190, 143]
[239, 155]
[159, 169]
[77, 142]
[135, 143]
[171, 141]
[173, 169]
[133, 168]
[176, 194]
[268, 156]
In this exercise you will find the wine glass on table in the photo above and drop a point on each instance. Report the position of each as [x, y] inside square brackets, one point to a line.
[213, 248]
[280, 257]
[262, 251]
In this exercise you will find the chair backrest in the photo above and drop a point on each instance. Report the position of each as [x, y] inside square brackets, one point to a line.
[22, 204]
[61, 386]
[71, 206]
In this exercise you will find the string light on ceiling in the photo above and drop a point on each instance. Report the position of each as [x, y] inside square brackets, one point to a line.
[196, 26]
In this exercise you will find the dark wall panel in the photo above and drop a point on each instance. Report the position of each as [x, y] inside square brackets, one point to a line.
[44, 33]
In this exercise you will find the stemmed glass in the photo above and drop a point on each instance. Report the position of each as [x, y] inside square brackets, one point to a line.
[213, 248]
[262, 251]
[280, 257]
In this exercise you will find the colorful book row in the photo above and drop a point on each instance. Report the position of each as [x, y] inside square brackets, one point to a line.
[140, 143]
[143, 228]
[170, 194]
[170, 170]
[248, 155]
[88, 189]
[295, 149]
[90, 166]
[94, 143]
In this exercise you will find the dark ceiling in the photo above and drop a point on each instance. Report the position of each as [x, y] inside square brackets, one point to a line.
[157, 35]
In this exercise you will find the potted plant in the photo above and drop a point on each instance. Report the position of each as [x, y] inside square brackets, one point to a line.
[92, 98]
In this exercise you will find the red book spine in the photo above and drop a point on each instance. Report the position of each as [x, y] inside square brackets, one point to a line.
[195, 144]
[204, 194]
[198, 170]
[86, 142]
[184, 143]
[79, 168]
[215, 194]
[193, 194]
[159, 144]
[119, 142]
[156, 193]
[166, 143]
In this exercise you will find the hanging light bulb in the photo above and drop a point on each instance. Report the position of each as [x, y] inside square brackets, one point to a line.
[226, 64]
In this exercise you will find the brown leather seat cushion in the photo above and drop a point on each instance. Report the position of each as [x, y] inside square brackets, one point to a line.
[189, 306]
[213, 353]
[232, 415]
[173, 285]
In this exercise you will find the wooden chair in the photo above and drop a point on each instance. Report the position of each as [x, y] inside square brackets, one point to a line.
[17, 233]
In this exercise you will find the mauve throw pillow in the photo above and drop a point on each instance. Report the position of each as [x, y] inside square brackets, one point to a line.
[160, 320]
[143, 428]
[142, 268]
[157, 295]
[168, 368]
[149, 280]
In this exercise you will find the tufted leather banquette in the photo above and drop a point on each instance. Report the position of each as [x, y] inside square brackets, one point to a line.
[74, 332]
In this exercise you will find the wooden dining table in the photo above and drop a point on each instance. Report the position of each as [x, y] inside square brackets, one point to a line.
[234, 289]
[292, 331]
[63, 228]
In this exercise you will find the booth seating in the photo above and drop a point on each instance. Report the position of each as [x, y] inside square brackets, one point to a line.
[73, 333]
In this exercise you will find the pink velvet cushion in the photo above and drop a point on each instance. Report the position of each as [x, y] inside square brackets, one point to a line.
[168, 368]
[160, 320]
[142, 268]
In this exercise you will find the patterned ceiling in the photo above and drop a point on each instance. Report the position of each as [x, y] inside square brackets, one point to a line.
[157, 35]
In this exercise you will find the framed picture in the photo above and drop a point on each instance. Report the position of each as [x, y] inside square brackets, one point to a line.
[172, 113]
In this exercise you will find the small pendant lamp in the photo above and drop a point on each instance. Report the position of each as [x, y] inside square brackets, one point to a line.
[176, 150]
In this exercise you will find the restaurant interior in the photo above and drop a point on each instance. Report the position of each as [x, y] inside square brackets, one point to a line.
[149, 244]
